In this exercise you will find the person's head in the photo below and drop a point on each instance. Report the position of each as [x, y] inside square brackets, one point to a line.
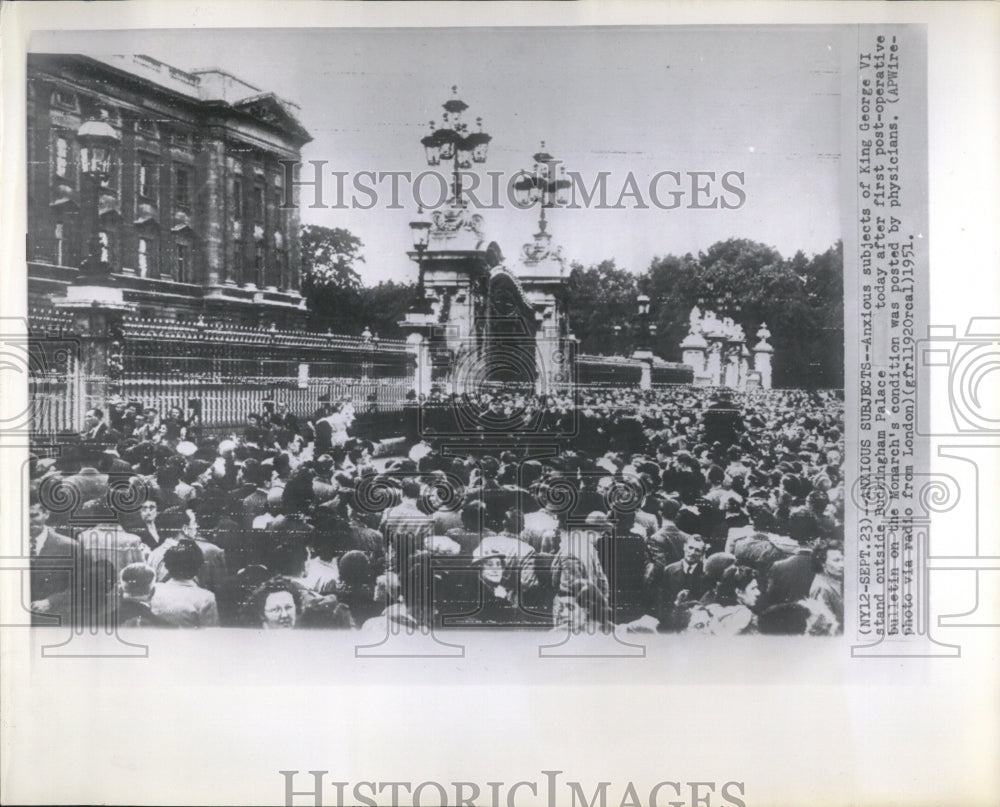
[738, 586]
[136, 582]
[38, 517]
[586, 606]
[148, 511]
[829, 558]
[411, 487]
[473, 516]
[288, 558]
[355, 569]
[326, 614]
[276, 604]
[92, 417]
[715, 565]
[694, 549]
[183, 560]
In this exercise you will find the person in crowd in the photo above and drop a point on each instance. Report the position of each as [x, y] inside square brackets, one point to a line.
[682, 585]
[178, 599]
[97, 431]
[730, 609]
[57, 566]
[495, 603]
[760, 495]
[181, 525]
[148, 531]
[276, 605]
[828, 585]
[136, 587]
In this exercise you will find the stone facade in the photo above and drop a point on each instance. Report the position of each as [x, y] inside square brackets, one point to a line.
[191, 216]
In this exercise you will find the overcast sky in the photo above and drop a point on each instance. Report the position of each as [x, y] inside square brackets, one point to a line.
[762, 101]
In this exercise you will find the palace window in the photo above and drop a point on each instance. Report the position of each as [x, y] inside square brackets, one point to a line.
[64, 99]
[145, 127]
[238, 261]
[258, 261]
[182, 187]
[237, 199]
[258, 204]
[183, 273]
[147, 178]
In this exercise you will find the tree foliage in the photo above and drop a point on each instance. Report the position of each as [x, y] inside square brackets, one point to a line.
[800, 299]
[334, 293]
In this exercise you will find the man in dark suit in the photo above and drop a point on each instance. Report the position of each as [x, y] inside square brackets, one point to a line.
[283, 419]
[56, 567]
[683, 584]
[96, 430]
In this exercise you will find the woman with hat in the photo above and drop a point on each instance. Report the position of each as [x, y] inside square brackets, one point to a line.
[495, 596]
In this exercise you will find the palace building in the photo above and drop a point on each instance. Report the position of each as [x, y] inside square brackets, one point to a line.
[191, 220]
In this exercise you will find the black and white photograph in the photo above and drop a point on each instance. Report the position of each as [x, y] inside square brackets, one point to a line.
[513, 375]
[556, 359]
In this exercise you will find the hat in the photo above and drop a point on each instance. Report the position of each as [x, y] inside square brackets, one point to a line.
[485, 551]
[186, 448]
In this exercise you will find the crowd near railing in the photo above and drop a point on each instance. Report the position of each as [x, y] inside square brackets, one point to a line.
[222, 371]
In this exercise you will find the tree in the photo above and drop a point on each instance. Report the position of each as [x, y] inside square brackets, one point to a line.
[800, 299]
[384, 305]
[600, 297]
[330, 283]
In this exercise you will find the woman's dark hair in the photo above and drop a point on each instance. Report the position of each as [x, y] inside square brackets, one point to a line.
[275, 585]
[473, 516]
[733, 579]
[184, 560]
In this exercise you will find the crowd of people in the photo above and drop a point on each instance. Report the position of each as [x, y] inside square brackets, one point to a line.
[679, 509]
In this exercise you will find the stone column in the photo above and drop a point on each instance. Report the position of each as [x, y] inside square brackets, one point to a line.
[713, 363]
[213, 208]
[420, 363]
[762, 357]
[646, 379]
[762, 363]
[96, 370]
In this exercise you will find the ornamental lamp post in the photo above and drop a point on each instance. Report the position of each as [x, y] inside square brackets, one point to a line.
[98, 143]
[94, 301]
[453, 141]
[545, 186]
[643, 307]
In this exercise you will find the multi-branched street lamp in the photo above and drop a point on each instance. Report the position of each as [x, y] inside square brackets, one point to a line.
[98, 143]
[544, 186]
[453, 141]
